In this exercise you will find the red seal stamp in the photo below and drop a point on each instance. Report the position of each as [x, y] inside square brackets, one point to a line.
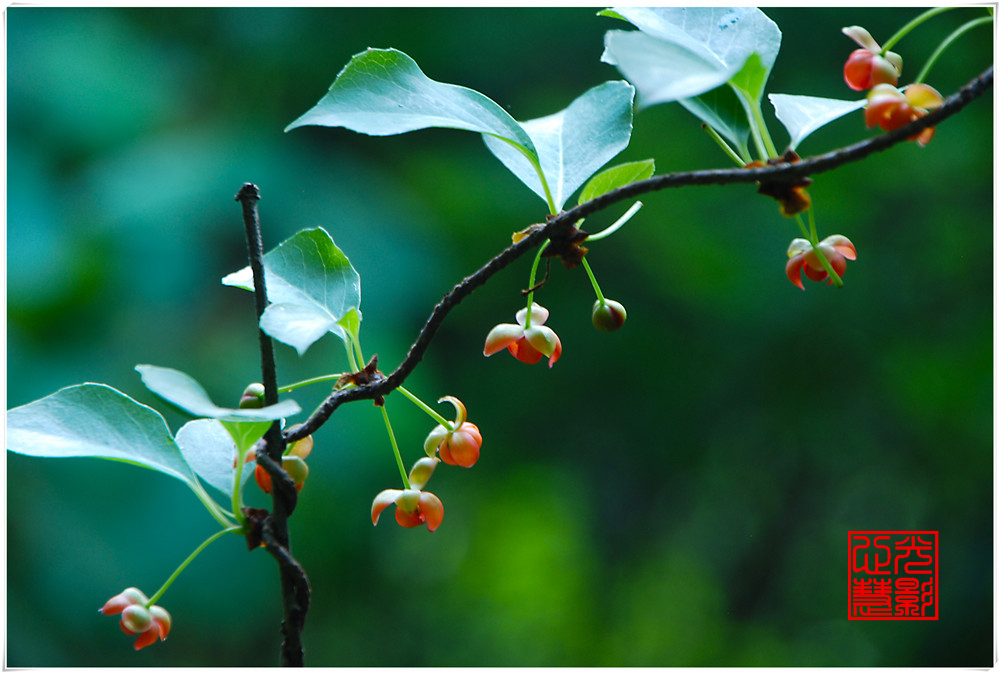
[892, 574]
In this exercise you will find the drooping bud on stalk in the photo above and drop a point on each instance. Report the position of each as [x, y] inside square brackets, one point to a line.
[609, 316]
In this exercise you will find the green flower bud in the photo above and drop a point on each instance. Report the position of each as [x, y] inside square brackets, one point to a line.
[253, 397]
[608, 316]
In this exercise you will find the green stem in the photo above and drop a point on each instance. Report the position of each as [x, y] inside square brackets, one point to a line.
[947, 43]
[761, 130]
[533, 160]
[721, 142]
[182, 566]
[901, 33]
[531, 281]
[395, 448]
[426, 409]
[357, 350]
[593, 281]
[237, 491]
[213, 508]
[604, 233]
[319, 379]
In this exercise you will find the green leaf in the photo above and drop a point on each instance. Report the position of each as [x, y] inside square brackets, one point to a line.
[722, 109]
[183, 391]
[615, 177]
[311, 285]
[97, 421]
[383, 92]
[681, 53]
[351, 322]
[210, 451]
[573, 143]
[801, 115]
[246, 434]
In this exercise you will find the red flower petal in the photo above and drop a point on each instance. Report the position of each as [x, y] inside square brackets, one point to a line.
[524, 351]
[858, 70]
[407, 520]
[462, 448]
[432, 510]
[793, 269]
[147, 637]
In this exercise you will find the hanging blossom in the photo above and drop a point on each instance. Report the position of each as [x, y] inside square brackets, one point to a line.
[803, 259]
[527, 344]
[459, 446]
[868, 67]
[413, 505]
[892, 108]
[149, 623]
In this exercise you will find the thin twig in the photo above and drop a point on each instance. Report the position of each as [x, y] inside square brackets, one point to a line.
[783, 171]
[294, 584]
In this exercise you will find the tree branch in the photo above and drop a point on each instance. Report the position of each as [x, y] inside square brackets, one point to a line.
[786, 171]
[567, 219]
[294, 584]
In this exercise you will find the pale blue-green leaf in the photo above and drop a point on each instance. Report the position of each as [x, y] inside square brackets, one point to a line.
[97, 421]
[210, 451]
[615, 177]
[722, 110]
[684, 52]
[183, 391]
[307, 271]
[298, 325]
[383, 92]
[801, 115]
[573, 143]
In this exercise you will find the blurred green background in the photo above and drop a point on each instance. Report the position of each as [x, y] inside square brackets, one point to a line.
[676, 493]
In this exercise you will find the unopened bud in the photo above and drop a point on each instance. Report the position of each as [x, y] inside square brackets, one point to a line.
[608, 316]
[253, 397]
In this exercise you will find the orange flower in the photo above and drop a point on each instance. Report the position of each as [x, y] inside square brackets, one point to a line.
[527, 344]
[413, 507]
[459, 446]
[802, 258]
[148, 621]
[868, 67]
[891, 108]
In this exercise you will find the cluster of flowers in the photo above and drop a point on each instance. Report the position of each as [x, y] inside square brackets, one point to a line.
[890, 108]
[528, 341]
[457, 445]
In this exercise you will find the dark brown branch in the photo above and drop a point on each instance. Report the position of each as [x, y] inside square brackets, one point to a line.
[787, 171]
[567, 219]
[294, 584]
